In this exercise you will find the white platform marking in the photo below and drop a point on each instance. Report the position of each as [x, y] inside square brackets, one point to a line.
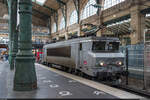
[47, 81]
[98, 92]
[54, 86]
[65, 93]
[72, 81]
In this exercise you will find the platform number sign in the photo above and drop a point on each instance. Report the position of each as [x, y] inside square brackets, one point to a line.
[147, 36]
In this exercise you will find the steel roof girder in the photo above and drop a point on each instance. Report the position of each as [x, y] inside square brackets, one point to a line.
[41, 13]
[61, 2]
[77, 6]
[64, 12]
[51, 9]
[56, 20]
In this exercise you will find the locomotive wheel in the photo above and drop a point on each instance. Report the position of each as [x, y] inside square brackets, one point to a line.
[49, 65]
[70, 70]
[90, 77]
[79, 74]
[82, 74]
[66, 69]
[63, 68]
[73, 71]
[45, 63]
[94, 78]
[76, 72]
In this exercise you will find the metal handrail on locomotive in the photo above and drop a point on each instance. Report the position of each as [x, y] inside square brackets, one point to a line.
[95, 56]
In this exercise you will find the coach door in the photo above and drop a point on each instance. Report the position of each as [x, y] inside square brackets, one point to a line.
[80, 55]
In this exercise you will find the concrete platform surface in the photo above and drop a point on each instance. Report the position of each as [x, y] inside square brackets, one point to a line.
[54, 84]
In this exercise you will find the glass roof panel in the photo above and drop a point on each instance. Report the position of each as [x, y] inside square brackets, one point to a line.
[40, 2]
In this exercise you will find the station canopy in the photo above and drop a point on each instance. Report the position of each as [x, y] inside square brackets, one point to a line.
[147, 21]
[119, 26]
[44, 9]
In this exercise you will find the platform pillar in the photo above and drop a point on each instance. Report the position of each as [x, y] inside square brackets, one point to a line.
[100, 18]
[13, 37]
[14, 34]
[10, 29]
[137, 25]
[25, 76]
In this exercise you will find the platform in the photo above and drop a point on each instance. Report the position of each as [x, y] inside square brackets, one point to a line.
[56, 84]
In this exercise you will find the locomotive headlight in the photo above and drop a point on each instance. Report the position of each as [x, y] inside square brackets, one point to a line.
[119, 63]
[102, 64]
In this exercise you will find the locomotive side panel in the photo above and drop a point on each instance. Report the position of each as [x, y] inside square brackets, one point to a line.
[44, 55]
[60, 56]
[63, 61]
[75, 54]
[60, 51]
[85, 60]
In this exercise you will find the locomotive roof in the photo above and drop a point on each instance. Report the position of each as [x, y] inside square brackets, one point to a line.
[80, 40]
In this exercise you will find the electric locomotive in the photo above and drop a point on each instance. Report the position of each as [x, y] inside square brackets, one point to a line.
[94, 56]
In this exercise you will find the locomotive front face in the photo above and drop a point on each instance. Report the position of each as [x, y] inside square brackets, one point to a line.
[112, 63]
[108, 61]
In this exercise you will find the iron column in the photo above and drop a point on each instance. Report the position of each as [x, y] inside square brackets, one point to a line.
[13, 37]
[25, 75]
[10, 28]
[14, 34]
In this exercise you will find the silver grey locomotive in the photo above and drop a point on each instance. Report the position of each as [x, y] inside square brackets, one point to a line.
[94, 56]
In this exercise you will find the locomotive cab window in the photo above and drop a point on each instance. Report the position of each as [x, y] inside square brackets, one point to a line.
[98, 46]
[104, 46]
[113, 46]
